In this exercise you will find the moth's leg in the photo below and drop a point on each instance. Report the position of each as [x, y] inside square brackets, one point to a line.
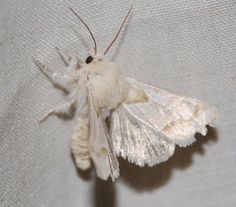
[65, 109]
[64, 58]
[136, 96]
[69, 60]
[56, 78]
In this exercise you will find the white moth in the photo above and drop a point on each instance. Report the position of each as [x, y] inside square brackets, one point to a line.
[120, 116]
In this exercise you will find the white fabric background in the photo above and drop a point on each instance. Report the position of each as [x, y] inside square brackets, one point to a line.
[185, 46]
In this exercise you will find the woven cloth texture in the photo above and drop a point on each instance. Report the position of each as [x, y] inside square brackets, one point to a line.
[187, 46]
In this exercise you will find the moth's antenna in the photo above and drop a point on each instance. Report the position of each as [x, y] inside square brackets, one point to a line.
[117, 34]
[95, 44]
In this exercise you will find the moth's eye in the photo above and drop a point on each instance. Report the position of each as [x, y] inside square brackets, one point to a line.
[89, 59]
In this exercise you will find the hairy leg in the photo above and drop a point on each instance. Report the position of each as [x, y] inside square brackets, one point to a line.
[64, 58]
[64, 81]
[69, 61]
[65, 109]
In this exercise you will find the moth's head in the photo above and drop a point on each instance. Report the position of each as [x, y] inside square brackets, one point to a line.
[94, 56]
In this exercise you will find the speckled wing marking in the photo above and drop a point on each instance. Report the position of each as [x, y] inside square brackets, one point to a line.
[146, 133]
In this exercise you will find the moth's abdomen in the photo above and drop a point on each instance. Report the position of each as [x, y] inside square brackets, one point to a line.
[79, 143]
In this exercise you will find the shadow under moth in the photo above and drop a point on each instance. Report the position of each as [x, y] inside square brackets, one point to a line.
[120, 116]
